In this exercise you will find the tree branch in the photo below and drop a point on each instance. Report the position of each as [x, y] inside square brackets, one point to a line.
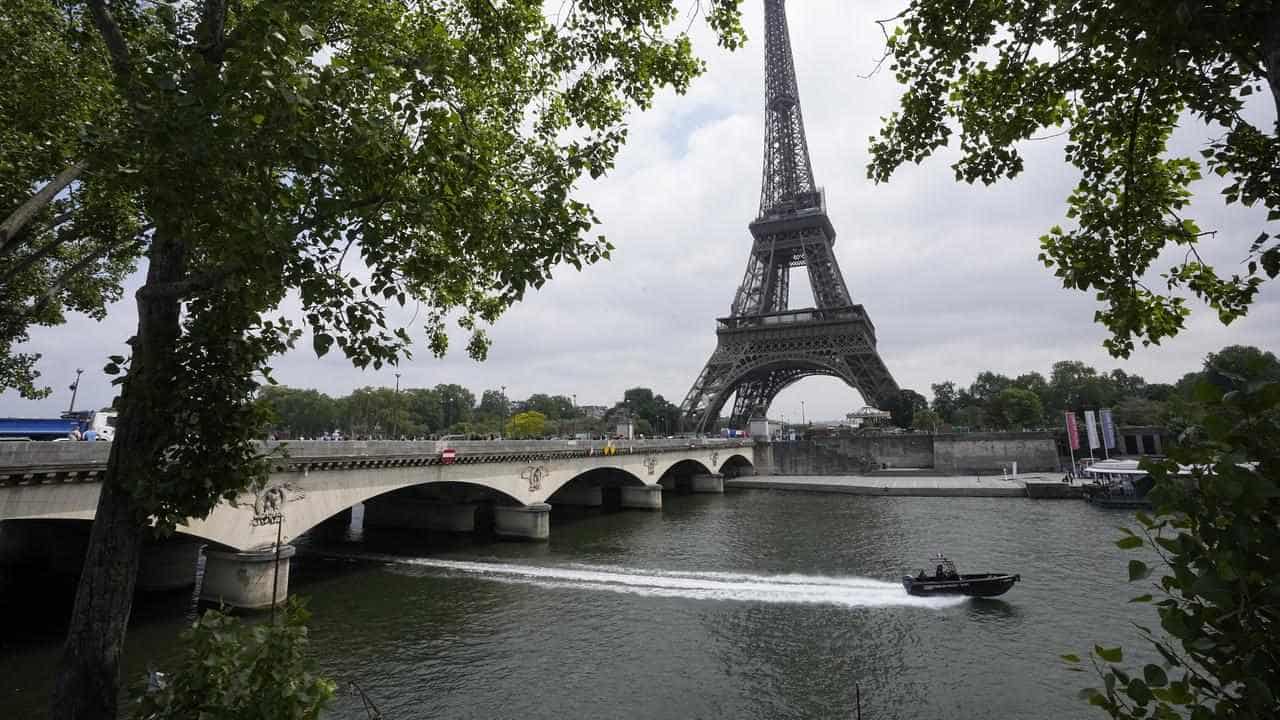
[23, 264]
[184, 288]
[52, 293]
[14, 224]
[112, 36]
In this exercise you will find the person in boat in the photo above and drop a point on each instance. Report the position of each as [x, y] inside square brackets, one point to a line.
[938, 573]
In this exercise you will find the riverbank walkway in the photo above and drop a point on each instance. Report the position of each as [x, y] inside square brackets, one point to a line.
[889, 485]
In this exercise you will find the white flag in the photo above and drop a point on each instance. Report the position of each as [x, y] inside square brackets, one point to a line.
[1091, 426]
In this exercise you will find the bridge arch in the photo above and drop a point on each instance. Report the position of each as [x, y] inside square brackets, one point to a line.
[736, 465]
[680, 474]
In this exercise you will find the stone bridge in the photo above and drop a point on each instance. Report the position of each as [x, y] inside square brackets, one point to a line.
[507, 487]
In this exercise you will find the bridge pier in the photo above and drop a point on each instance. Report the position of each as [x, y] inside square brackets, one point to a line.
[244, 580]
[708, 483]
[762, 457]
[523, 522]
[646, 497]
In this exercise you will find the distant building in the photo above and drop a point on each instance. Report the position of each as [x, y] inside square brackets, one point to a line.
[868, 417]
[593, 411]
[625, 428]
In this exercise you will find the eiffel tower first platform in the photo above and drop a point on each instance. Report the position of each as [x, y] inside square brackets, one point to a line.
[762, 347]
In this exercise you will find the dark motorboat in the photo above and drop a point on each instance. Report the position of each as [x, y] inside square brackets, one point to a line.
[946, 581]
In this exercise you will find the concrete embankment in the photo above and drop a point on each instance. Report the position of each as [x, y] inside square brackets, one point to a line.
[917, 486]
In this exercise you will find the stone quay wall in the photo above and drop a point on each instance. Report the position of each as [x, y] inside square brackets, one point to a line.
[949, 454]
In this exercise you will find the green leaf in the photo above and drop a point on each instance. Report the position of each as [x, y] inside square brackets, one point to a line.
[1141, 598]
[1129, 543]
[1111, 655]
[1071, 658]
[1138, 570]
[1155, 676]
[321, 342]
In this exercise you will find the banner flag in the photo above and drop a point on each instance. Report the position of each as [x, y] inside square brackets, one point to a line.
[1090, 427]
[1108, 429]
[1073, 432]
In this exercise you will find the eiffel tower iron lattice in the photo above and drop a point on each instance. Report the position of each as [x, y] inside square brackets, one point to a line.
[762, 347]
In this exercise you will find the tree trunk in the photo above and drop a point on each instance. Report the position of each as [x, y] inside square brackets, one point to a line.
[88, 682]
[1271, 56]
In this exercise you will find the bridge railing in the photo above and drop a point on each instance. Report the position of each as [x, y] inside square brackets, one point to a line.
[85, 461]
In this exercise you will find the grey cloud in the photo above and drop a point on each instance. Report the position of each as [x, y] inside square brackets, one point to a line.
[947, 271]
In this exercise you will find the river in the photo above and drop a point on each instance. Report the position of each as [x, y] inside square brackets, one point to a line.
[754, 604]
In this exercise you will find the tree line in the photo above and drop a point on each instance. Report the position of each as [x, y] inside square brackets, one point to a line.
[451, 409]
[994, 401]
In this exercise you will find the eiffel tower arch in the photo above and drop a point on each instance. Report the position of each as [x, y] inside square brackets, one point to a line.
[762, 347]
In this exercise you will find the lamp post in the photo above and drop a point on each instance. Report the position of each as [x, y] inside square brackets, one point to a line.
[802, 421]
[395, 411]
[75, 387]
[505, 409]
[574, 430]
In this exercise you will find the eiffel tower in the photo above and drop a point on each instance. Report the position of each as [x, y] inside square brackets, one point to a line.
[763, 347]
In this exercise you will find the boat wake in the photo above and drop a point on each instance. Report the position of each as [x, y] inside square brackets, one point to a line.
[794, 589]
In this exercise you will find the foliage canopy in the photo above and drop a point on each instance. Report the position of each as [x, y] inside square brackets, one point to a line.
[1215, 533]
[1119, 75]
[229, 670]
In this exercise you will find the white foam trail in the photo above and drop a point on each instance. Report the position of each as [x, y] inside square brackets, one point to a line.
[851, 592]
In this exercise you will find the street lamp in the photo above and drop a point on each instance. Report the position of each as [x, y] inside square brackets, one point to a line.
[505, 409]
[802, 421]
[395, 409]
[75, 387]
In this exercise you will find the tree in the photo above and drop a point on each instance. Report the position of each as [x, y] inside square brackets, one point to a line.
[903, 406]
[67, 246]
[231, 670]
[1139, 411]
[1032, 381]
[1076, 386]
[1214, 533]
[925, 420]
[302, 413]
[425, 409]
[493, 406]
[1235, 366]
[555, 407]
[528, 424]
[945, 399]
[456, 404]
[1017, 409]
[987, 386]
[376, 412]
[1120, 76]
[641, 404]
[246, 150]
[969, 417]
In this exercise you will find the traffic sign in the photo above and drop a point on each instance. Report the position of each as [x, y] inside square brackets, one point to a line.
[448, 456]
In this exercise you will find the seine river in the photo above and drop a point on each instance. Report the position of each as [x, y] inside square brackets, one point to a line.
[753, 604]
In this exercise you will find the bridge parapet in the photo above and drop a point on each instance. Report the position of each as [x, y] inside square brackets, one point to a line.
[23, 463]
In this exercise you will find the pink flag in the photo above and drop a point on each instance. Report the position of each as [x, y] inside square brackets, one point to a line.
[1073, 432]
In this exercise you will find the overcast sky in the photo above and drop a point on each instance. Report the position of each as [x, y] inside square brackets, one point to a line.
[947, 271]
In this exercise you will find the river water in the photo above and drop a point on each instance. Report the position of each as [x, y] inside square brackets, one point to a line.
[754, 604]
